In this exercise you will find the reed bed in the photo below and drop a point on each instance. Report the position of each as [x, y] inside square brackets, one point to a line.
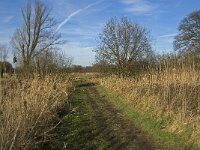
[170, 93]
[29, 110]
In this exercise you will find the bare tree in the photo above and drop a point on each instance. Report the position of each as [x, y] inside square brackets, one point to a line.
[3, 52]
[62, 61]
[122, 44]
[51, 61]
[38, 33]
[188, 39]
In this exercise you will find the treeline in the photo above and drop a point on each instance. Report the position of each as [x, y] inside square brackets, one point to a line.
[47, 63]
[125, 48]
[158, 64]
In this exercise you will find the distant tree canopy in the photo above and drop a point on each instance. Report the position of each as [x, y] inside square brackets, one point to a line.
[3, 52]
[123, 43]
[188, 38]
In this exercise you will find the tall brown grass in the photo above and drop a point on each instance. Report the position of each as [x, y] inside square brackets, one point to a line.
[168, 92]
[28, 110]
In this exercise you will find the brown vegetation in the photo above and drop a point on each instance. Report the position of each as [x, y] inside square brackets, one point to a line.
[28, 110]
[164, 92]
[5, 67]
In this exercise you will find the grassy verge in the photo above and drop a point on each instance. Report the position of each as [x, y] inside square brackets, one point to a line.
[79, 129]
[152, 127]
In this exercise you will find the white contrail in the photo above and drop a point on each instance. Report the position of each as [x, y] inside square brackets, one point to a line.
[168, 35]
[75, 13]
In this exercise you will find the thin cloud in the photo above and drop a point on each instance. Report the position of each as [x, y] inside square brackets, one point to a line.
[166, 39]
[87, 30]
[139, 6]
[7, 19]
[168, 35]
[82, 54]
[131, 1]
[76, 13]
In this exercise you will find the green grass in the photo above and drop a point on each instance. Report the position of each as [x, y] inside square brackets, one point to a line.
[79, 129]
[151, 127]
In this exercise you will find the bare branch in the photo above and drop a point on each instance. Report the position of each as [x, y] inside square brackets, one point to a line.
[37, 34]
[123, 43]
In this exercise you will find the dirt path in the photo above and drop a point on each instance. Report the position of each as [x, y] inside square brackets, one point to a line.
[119, 131]
[94, 123]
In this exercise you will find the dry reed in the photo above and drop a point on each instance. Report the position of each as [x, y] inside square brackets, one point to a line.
[28, 110]
[170, 92]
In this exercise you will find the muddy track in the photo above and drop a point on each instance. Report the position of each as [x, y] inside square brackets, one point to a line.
[118, 131]
[91, 122]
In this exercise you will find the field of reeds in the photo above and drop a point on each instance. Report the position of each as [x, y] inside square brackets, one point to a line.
[172, 93]
[29, 110]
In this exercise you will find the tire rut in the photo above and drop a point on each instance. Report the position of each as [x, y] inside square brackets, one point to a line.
[118, 131]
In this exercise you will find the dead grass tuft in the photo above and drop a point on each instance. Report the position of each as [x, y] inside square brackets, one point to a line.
[28, 110]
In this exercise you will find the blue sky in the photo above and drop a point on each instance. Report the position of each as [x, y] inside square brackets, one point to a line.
[80, 21]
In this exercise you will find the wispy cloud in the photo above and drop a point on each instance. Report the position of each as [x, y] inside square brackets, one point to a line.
[84, 29]
[5, 33]
[139, 6]
[166, 40]
[76, 13]
[7, 19]
[168, 35]
[83, 55]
